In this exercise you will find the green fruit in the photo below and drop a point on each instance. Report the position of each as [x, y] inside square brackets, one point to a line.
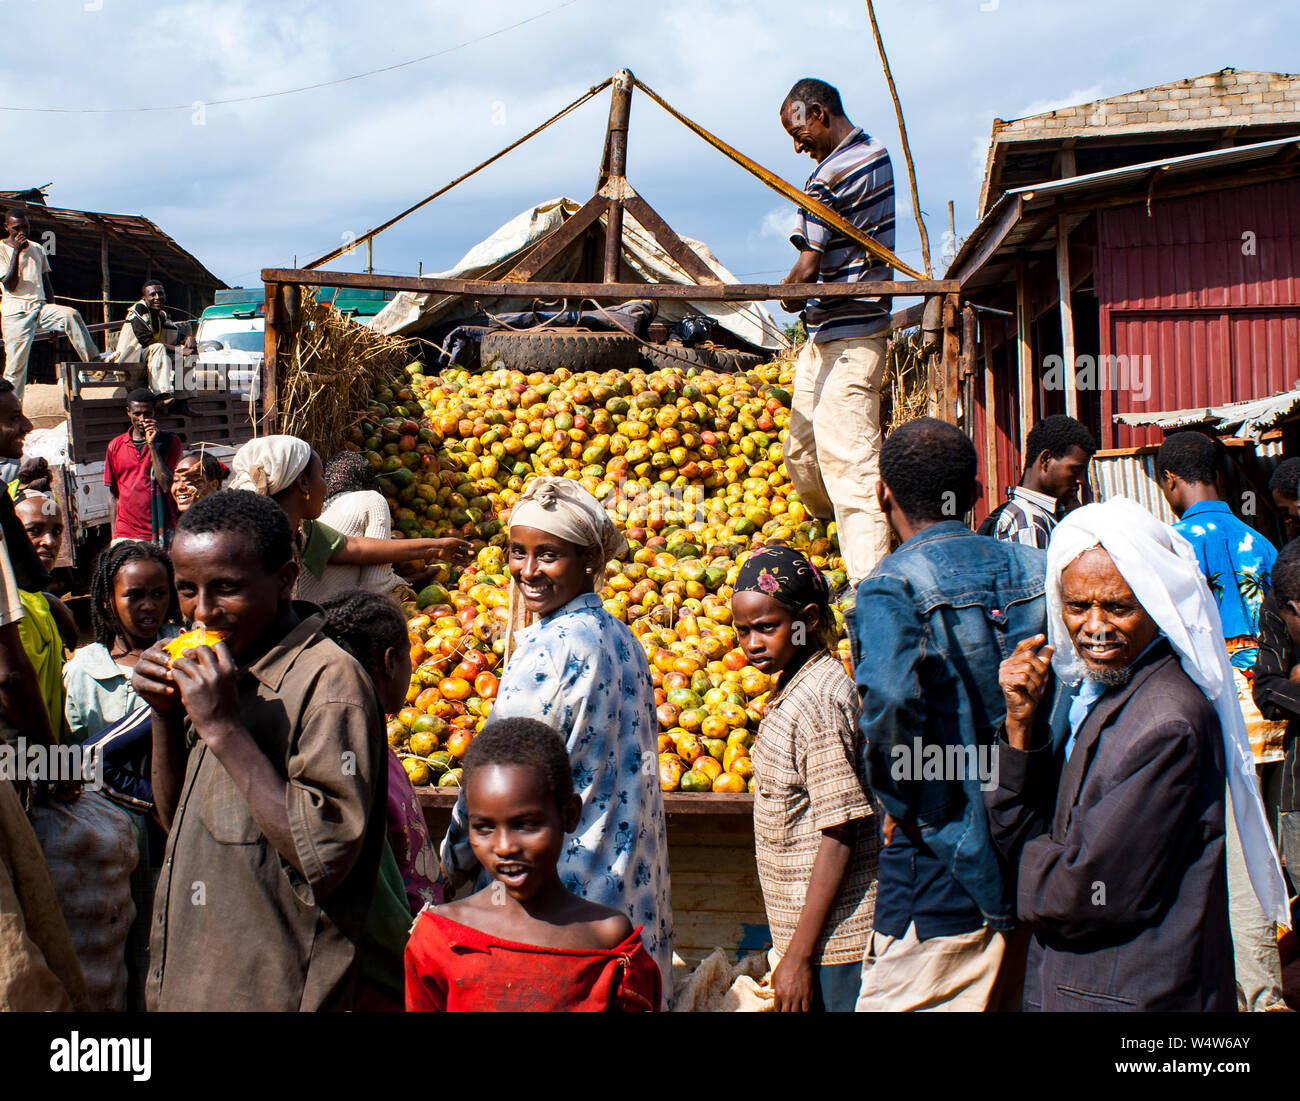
[683, 699]
[450, 779]
[432, 594]
[692, 781]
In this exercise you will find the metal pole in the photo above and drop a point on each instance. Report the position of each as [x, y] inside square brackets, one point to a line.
[620, 108]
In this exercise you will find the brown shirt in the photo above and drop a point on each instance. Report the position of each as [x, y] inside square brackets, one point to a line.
[235, 925]
[805, 759]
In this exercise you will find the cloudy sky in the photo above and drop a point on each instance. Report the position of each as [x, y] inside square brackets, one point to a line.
[252, 184]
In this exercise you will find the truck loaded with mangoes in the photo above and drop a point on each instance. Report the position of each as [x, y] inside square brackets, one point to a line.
[689, 465]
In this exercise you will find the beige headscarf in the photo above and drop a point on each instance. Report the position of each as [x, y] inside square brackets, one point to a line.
[269, 464]
[561, 507]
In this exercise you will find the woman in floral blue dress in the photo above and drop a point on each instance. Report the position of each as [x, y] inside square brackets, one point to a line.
[582, 672]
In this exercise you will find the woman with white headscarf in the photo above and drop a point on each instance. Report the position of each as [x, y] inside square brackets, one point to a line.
[583, 673]
[290, 472]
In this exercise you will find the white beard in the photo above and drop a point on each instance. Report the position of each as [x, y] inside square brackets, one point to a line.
[1111, 678]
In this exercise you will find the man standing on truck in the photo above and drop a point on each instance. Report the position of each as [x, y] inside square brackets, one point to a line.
[138, 472]
[832, 453]
[25, 306]
[149, 334]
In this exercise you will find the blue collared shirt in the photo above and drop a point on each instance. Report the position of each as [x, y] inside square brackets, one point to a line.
[1237, 562]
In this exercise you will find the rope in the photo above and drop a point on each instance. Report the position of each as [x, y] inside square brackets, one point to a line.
[787, 189]
[592, 91]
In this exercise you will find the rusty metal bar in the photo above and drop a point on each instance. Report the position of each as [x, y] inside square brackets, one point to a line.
[335, 253]
[787, 189]
[725, 292]
[559, 239]
[620, 110]
[685, 256]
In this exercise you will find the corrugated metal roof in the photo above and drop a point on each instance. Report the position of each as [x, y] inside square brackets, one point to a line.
[1250, 418]
[1169, 167]
[132, 231]
[1033, 222]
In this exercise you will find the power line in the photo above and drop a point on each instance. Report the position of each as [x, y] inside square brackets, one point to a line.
[288, 91]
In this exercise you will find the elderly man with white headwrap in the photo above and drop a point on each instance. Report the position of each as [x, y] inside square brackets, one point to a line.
[583, 673]
[1114, 808]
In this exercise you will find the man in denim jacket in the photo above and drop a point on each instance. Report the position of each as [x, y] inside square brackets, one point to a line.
[933, 622]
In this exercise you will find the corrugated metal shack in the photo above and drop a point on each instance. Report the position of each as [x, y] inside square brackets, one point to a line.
[1150, 242]
[99, 262]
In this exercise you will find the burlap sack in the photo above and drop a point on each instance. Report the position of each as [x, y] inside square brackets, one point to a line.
[719, 986]
[91, 849]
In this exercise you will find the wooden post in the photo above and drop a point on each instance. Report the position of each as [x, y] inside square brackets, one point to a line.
[620, 109]
[271, 352]
[907, 147]
[969, 348]
[951, 358]
[104, 286]
[992, 481]
[1067, 315]
[1024, 357]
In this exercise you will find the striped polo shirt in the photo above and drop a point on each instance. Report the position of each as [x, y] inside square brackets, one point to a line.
[857, 182]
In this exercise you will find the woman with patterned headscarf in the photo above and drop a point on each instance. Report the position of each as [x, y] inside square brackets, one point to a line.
[582, 672]
[814, 834]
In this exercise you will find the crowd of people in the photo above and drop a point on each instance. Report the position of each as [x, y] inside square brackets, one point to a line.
[1058, 777]
[1039, 789]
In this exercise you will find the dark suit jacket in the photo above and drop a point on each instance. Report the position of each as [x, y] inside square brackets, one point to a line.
[1121, 850]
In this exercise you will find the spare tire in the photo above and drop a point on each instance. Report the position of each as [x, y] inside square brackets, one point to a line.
[549, 350]
[674, 357]
[731, 362]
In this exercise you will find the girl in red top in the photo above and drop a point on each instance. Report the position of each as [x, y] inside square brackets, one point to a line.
[525, 942]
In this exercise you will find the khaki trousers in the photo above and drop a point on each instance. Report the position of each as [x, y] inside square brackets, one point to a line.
[941, 975]
[157, 359]
[832, 452]
[20, 326]
[1256, 958]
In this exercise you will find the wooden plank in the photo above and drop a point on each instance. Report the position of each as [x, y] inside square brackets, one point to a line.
[559, 239]
[1067, 314]
[1024, 358]
[741, 292]
[992, 481]
[951, 357]
[685, 256]
[997, 233]
[270, 356]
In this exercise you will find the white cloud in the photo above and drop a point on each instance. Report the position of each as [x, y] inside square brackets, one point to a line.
[778, 223]
[265, 180]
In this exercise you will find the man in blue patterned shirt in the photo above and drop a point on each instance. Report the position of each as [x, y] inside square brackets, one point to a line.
[832, 452]
[1237, 562]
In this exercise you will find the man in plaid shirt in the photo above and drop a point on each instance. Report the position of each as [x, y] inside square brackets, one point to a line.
[1057, 453]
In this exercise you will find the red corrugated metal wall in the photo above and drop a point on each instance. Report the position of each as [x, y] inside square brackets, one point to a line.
[1206, 286]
